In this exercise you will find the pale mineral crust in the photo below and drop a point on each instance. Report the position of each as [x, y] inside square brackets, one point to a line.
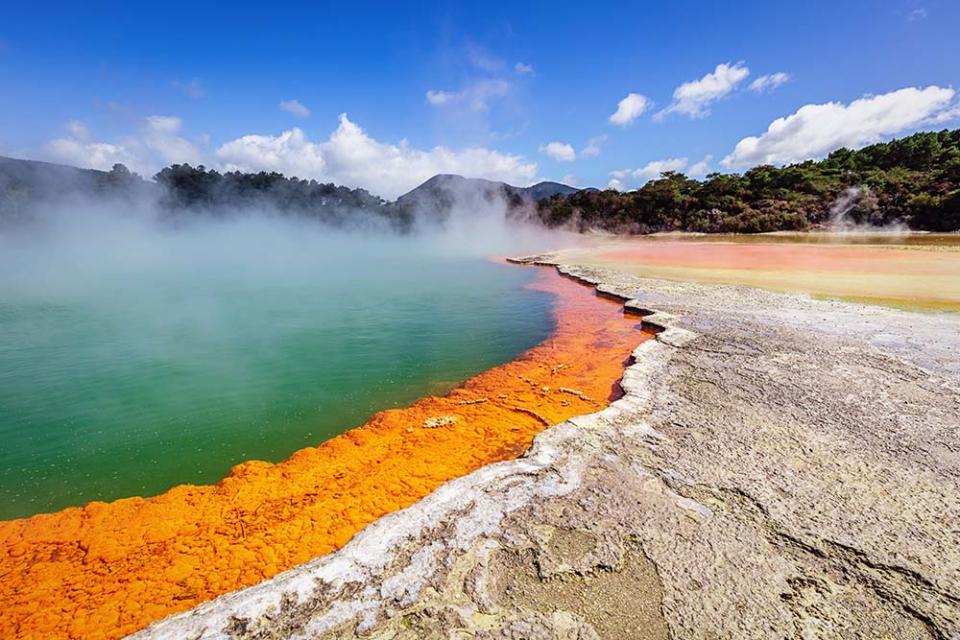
[779, 467]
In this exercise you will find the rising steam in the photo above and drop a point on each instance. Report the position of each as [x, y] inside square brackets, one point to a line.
[855, 210]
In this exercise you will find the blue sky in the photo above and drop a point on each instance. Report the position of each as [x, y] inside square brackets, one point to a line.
[493, 84]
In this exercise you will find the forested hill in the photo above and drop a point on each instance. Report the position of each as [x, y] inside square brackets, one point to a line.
[27, 187]
[913, 181]
[438, 197]
[197, 189]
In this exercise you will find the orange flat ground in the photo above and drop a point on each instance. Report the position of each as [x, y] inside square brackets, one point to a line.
[107, 569]
[777, 257]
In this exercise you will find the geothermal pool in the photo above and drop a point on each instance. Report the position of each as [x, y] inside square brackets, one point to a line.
[105, 570]
[157, 378]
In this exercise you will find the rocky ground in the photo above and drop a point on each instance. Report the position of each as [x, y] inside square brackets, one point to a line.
[780, 467]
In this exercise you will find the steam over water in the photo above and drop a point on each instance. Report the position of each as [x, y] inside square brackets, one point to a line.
[135, 355]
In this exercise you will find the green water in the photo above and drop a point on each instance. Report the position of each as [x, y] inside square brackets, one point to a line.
[132, 376]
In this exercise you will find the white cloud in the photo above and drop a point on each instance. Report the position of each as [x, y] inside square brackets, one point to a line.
[701, 168]
[616, 185]
[592, 150]
[769, 82]
[814, 130]
[158, 143]
[163, 124]
[439, 97]
[523, 69]
[349, 156]
[291, 153]
[295, 107]
[951, 113]
[91, 155]
[629, 109]
[476, 96]
[161, 138]
[647, 172]
[352, 158]
[654, 168]
[917, 14]
[570, 179]
[694, 98]
[559, 151]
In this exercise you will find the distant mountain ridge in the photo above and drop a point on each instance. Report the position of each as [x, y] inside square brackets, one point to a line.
[437, 197]
[45, 179]
[25, 184]
[449, 181]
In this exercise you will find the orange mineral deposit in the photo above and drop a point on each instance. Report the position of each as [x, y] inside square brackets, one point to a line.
[108, 569]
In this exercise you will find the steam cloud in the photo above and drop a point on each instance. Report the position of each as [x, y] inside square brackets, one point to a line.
[853, 212]
[80, 241]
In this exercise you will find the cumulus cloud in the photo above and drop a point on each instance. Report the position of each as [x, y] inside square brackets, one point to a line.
[616, 185]
[592, 150]
[570, 179]
[951, 113]
[700, 169]
[351, 157]
[162, 137]
[649, 171]
[90, 154]
[629, 109]
[158, 143]
[523, 69]
[769, 82]
[295, 107]
[291, 153]
[654, 168]
[693, 98]
[814, 130]
[559, 151]
[476, 96]
[917, 15]
[348, 156]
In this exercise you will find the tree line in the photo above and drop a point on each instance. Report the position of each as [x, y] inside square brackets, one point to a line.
[913, 181]
[201, 189]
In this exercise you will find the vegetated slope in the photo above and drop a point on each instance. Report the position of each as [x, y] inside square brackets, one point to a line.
[25, 184]
[437, 198]
[182, 190]
[913, 181]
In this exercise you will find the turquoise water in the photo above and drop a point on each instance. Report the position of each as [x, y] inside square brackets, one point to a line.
[126, 376]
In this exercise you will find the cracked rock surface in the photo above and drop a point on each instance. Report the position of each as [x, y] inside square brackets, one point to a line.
[780, 467]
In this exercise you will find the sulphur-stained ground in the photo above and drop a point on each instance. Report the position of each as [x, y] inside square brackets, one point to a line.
[779, 467]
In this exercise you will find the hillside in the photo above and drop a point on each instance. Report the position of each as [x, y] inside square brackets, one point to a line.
[183, 190]
[911, 182]
[26, 184]
[436, 198]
